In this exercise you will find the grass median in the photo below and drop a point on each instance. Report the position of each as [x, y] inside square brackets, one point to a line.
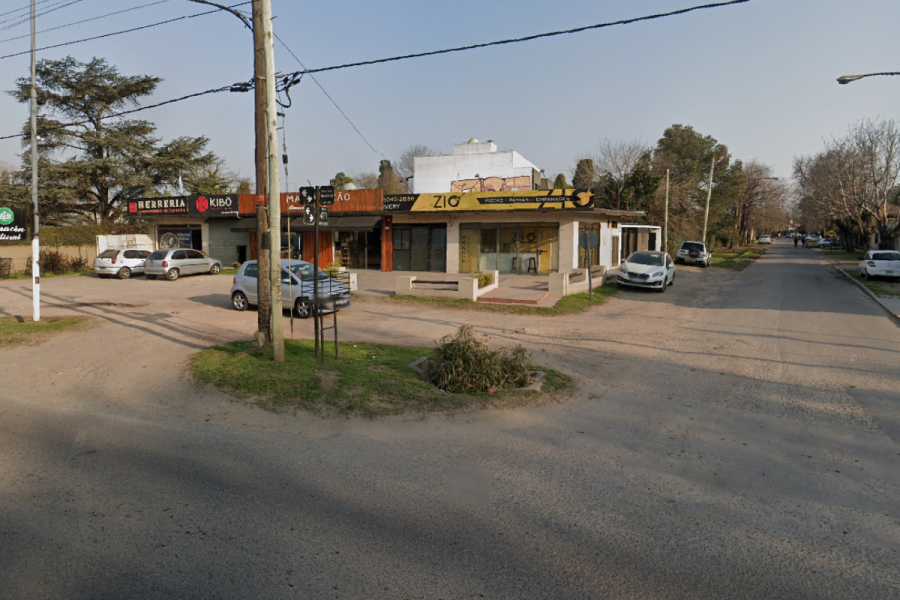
[737, 259]
[16, 331]
[569, 305]
[368, 379]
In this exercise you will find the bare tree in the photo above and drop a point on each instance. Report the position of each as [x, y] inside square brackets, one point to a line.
[366, 181]
[405, 166]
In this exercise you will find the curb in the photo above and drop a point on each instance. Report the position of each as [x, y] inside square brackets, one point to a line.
[842, 273]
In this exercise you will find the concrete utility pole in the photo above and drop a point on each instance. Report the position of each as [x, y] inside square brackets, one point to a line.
[712, 168]
[666, 217]
[35, 241]
[274, 185]
[263, 335]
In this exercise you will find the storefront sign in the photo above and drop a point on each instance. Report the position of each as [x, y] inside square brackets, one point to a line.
[173, 205]
[491, 201]
[12, 224]
[345, 201]
[222, 205]
[173, 238]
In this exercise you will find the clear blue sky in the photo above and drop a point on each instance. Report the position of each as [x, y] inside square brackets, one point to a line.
[759, 77]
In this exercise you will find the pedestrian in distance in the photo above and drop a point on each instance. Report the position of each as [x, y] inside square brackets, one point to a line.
[795, 241]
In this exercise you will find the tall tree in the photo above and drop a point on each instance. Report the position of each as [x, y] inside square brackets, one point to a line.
[366, 181]
[389, 180]
[560, 182]
[585, 174]
[91, 161]
[340, 181]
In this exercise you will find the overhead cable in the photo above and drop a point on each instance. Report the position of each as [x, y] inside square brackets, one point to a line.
[25, 19]
[23, 8]
[114, 33]
[526, 38]
[327, 95]
[97, 18]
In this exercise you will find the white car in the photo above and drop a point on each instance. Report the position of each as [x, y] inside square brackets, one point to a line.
[694, 252]
[880, 263]
[765, 239]
[648, 269]
[121, 262]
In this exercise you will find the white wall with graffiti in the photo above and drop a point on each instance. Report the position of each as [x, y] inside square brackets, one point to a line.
[475, 167]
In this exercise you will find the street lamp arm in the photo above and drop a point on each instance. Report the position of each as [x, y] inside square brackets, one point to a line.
[228, 9]
[845, 79]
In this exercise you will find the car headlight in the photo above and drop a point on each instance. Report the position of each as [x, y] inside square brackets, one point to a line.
[657, 274]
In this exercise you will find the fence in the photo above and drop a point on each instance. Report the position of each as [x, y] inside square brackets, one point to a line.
[20, 256]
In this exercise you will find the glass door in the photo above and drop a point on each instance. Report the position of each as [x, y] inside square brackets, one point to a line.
[507, 258]
[438, 252]
[528, 249]
[548, 249]
[418, 250]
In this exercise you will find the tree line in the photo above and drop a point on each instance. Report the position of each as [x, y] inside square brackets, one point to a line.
[853, 185]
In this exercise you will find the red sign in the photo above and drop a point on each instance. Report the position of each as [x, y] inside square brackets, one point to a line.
[202, 204]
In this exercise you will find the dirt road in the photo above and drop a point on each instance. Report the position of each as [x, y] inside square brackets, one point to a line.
[736, 437]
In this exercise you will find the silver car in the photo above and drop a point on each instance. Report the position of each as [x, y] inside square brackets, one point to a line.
[297, 287]
[120, 262]
[694, 252]
[172, 264]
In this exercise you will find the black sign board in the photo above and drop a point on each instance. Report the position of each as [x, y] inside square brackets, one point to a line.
[399, 203]
[12, 224]
[171, 205]
[309, 215]
[323, 215]
[327, 195]
[214, 205]
[308, 195]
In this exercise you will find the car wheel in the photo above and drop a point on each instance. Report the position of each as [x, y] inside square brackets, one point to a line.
[673, 279]
[239, 301]
[151, 277]
[662, 288]
[704, 264]
[302, 308]
[172, 274]
[124, 273]
[214, 270]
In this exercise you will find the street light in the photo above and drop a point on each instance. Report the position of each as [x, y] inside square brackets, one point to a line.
[845, 79]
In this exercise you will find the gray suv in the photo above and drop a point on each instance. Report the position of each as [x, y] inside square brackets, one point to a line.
[297, 286]
[172, 264]
[694, 253]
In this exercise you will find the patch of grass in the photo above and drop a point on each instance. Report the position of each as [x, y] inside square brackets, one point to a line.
[231, 272]
[569, 305]
[357, 383]
[738, 259]
[15, 331]
[554, 381]
[841, 256]
[882, 288]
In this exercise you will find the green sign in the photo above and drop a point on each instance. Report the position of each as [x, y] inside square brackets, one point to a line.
[6, 216]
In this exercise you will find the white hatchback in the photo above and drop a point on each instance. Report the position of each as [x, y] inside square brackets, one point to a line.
[120, 262]
[880, 263]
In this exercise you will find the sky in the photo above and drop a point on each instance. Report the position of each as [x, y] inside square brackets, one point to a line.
[759, 77]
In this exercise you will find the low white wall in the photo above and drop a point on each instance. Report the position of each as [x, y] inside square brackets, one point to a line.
[562, 284]
[467, 288]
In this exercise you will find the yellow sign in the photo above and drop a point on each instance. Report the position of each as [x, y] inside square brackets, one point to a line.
[830, 234]
[491, 201]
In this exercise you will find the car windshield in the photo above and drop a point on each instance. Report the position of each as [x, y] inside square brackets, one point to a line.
[886, 256]
[108, 254]
[692, 246]
[158, 255]
[654, 259]
[305, 271]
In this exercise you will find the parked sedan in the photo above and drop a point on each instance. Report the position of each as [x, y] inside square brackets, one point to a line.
[172, 264]
[121, 262]
[765, 239]
[880, 263]
[297, 288]
[648, 269]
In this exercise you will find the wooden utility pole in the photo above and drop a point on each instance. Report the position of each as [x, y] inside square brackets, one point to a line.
[263, 335]
[712, 168]
[666, 217]
[277, 328]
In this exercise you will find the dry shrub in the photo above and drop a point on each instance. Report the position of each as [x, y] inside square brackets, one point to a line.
[462, 363]
[52, 261]
[79, 263]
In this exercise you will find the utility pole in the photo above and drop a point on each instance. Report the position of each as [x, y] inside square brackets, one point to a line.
[712, 168]
[35, 241]
[263, 335]
[666, 217]
[274, 185]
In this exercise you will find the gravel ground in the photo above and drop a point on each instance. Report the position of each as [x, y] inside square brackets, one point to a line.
[735, 437]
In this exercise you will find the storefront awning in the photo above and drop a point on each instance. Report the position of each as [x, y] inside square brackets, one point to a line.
[334, 224]
[339, 224]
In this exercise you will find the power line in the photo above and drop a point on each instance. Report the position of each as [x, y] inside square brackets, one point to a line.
[236, 87]
[327, 95]
[114, 33]
[97, 18]
[526, 38]
[26, 7]
[49, 10]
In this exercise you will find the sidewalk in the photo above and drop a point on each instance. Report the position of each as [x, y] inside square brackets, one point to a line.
[890, 303]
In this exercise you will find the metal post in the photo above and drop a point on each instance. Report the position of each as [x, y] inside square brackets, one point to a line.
[666, 217]
[315, 301]
[335, 335]
[274, 185]
[35, 241]
[590, 280]
[712, 167]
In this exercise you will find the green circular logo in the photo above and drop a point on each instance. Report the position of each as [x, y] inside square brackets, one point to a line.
[6, 216]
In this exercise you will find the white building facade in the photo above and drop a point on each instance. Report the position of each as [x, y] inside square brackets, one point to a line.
[475, 167]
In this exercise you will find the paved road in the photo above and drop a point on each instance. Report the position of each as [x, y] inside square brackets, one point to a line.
[736, 437]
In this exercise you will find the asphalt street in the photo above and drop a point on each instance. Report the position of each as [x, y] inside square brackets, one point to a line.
[735, 437]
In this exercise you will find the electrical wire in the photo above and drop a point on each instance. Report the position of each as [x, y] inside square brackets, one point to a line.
[526, 38]
[245, 86]
[327, 95]
[27, 18]
[26, 7]
[114, 33]
[97, 18]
